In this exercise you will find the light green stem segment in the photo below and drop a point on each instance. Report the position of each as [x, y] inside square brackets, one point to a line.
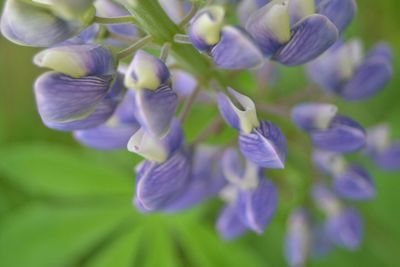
[153, 19]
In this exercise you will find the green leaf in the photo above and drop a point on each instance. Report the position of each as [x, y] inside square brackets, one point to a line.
[205, 249]
[41, 235]
[60, 172]
[121, 252]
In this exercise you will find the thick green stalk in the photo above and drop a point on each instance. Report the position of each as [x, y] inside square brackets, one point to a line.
[153, 19]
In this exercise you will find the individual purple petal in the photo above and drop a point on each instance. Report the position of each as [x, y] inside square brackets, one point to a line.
[256, 207]
[311, 37]
[155, 109]
[108, 8]
[78, 60]
[159, 185]
[345, 229]
[205, 27]
[266, 146]
[298, 238]
[311, 116]
[61, 98]
[183, 83]
[247, 7]
[354, 183]
[389, 159]
[229, 225]
[343, 136]
[146, 72]
[340, 12]
[206, 181]
[270, 27]
[242, 118]
[369, 79]
[154, 148]
[381, 50]
[236, 50]
[107, 136]
[232, 166]
[27, 24]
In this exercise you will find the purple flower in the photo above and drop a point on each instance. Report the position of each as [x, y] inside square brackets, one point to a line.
[156, 102]
[344, 70]
[29, 24]
[230, 47]
[290, 45]
[160, 185]
[313, 116]
[382, 149]
[298, 238]
[265, 146]
[344, 135]
[354, 183]
[345, 228]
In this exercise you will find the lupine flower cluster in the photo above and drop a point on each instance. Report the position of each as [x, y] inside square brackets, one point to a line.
[118, 72]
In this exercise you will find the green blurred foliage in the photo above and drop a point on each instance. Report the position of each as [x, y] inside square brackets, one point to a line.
[65, 205]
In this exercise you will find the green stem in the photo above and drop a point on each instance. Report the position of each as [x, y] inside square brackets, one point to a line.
[118, 20]
[165, 52]
[134, 47]
[189, 16]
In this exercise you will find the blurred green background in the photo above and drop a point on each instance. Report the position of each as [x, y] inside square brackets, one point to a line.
[65, 205]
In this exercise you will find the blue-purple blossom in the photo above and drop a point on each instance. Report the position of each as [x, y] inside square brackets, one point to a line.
[298, 238]
[156, 102]
[160, 185]
[344, 70]
[230, 47]
[290, 44]
[345, 228]
[41, 26]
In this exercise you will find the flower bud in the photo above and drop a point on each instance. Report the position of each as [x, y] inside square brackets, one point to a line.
[205, 27]
[27, 24]
[78, 60]
[256, 207]
[311, 116]
[146, 72]
[354, 183]
[344, 135]
[157, 149]
[242, 118]
[159, 185]
[265, 146]
[329, 163]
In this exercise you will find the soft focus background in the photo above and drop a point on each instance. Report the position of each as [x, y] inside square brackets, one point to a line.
[65, 205]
